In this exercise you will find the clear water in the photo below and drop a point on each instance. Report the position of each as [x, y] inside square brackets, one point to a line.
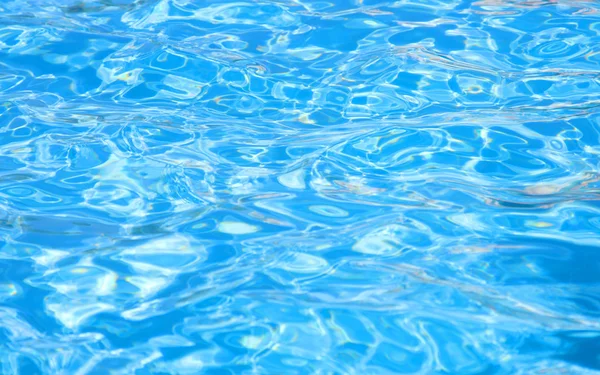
[299, 187]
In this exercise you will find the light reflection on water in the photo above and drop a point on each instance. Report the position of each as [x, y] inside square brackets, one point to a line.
[299, 187]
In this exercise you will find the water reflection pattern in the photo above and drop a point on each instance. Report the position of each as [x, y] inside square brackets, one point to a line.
[299, 187]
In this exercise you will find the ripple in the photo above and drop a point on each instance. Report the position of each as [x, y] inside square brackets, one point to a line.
[299, 187]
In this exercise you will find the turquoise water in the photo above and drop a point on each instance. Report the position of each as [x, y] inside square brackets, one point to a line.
[299, 187]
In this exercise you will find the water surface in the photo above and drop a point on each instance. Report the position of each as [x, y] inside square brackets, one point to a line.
[299, 187]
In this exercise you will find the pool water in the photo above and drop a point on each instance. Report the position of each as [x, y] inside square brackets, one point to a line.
[299, 187]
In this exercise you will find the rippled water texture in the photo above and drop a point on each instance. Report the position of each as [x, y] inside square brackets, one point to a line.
[299, 187]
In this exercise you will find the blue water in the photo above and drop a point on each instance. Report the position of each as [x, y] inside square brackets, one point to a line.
[299, 187]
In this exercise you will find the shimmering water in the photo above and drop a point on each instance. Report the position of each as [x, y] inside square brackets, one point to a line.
[299, 187]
